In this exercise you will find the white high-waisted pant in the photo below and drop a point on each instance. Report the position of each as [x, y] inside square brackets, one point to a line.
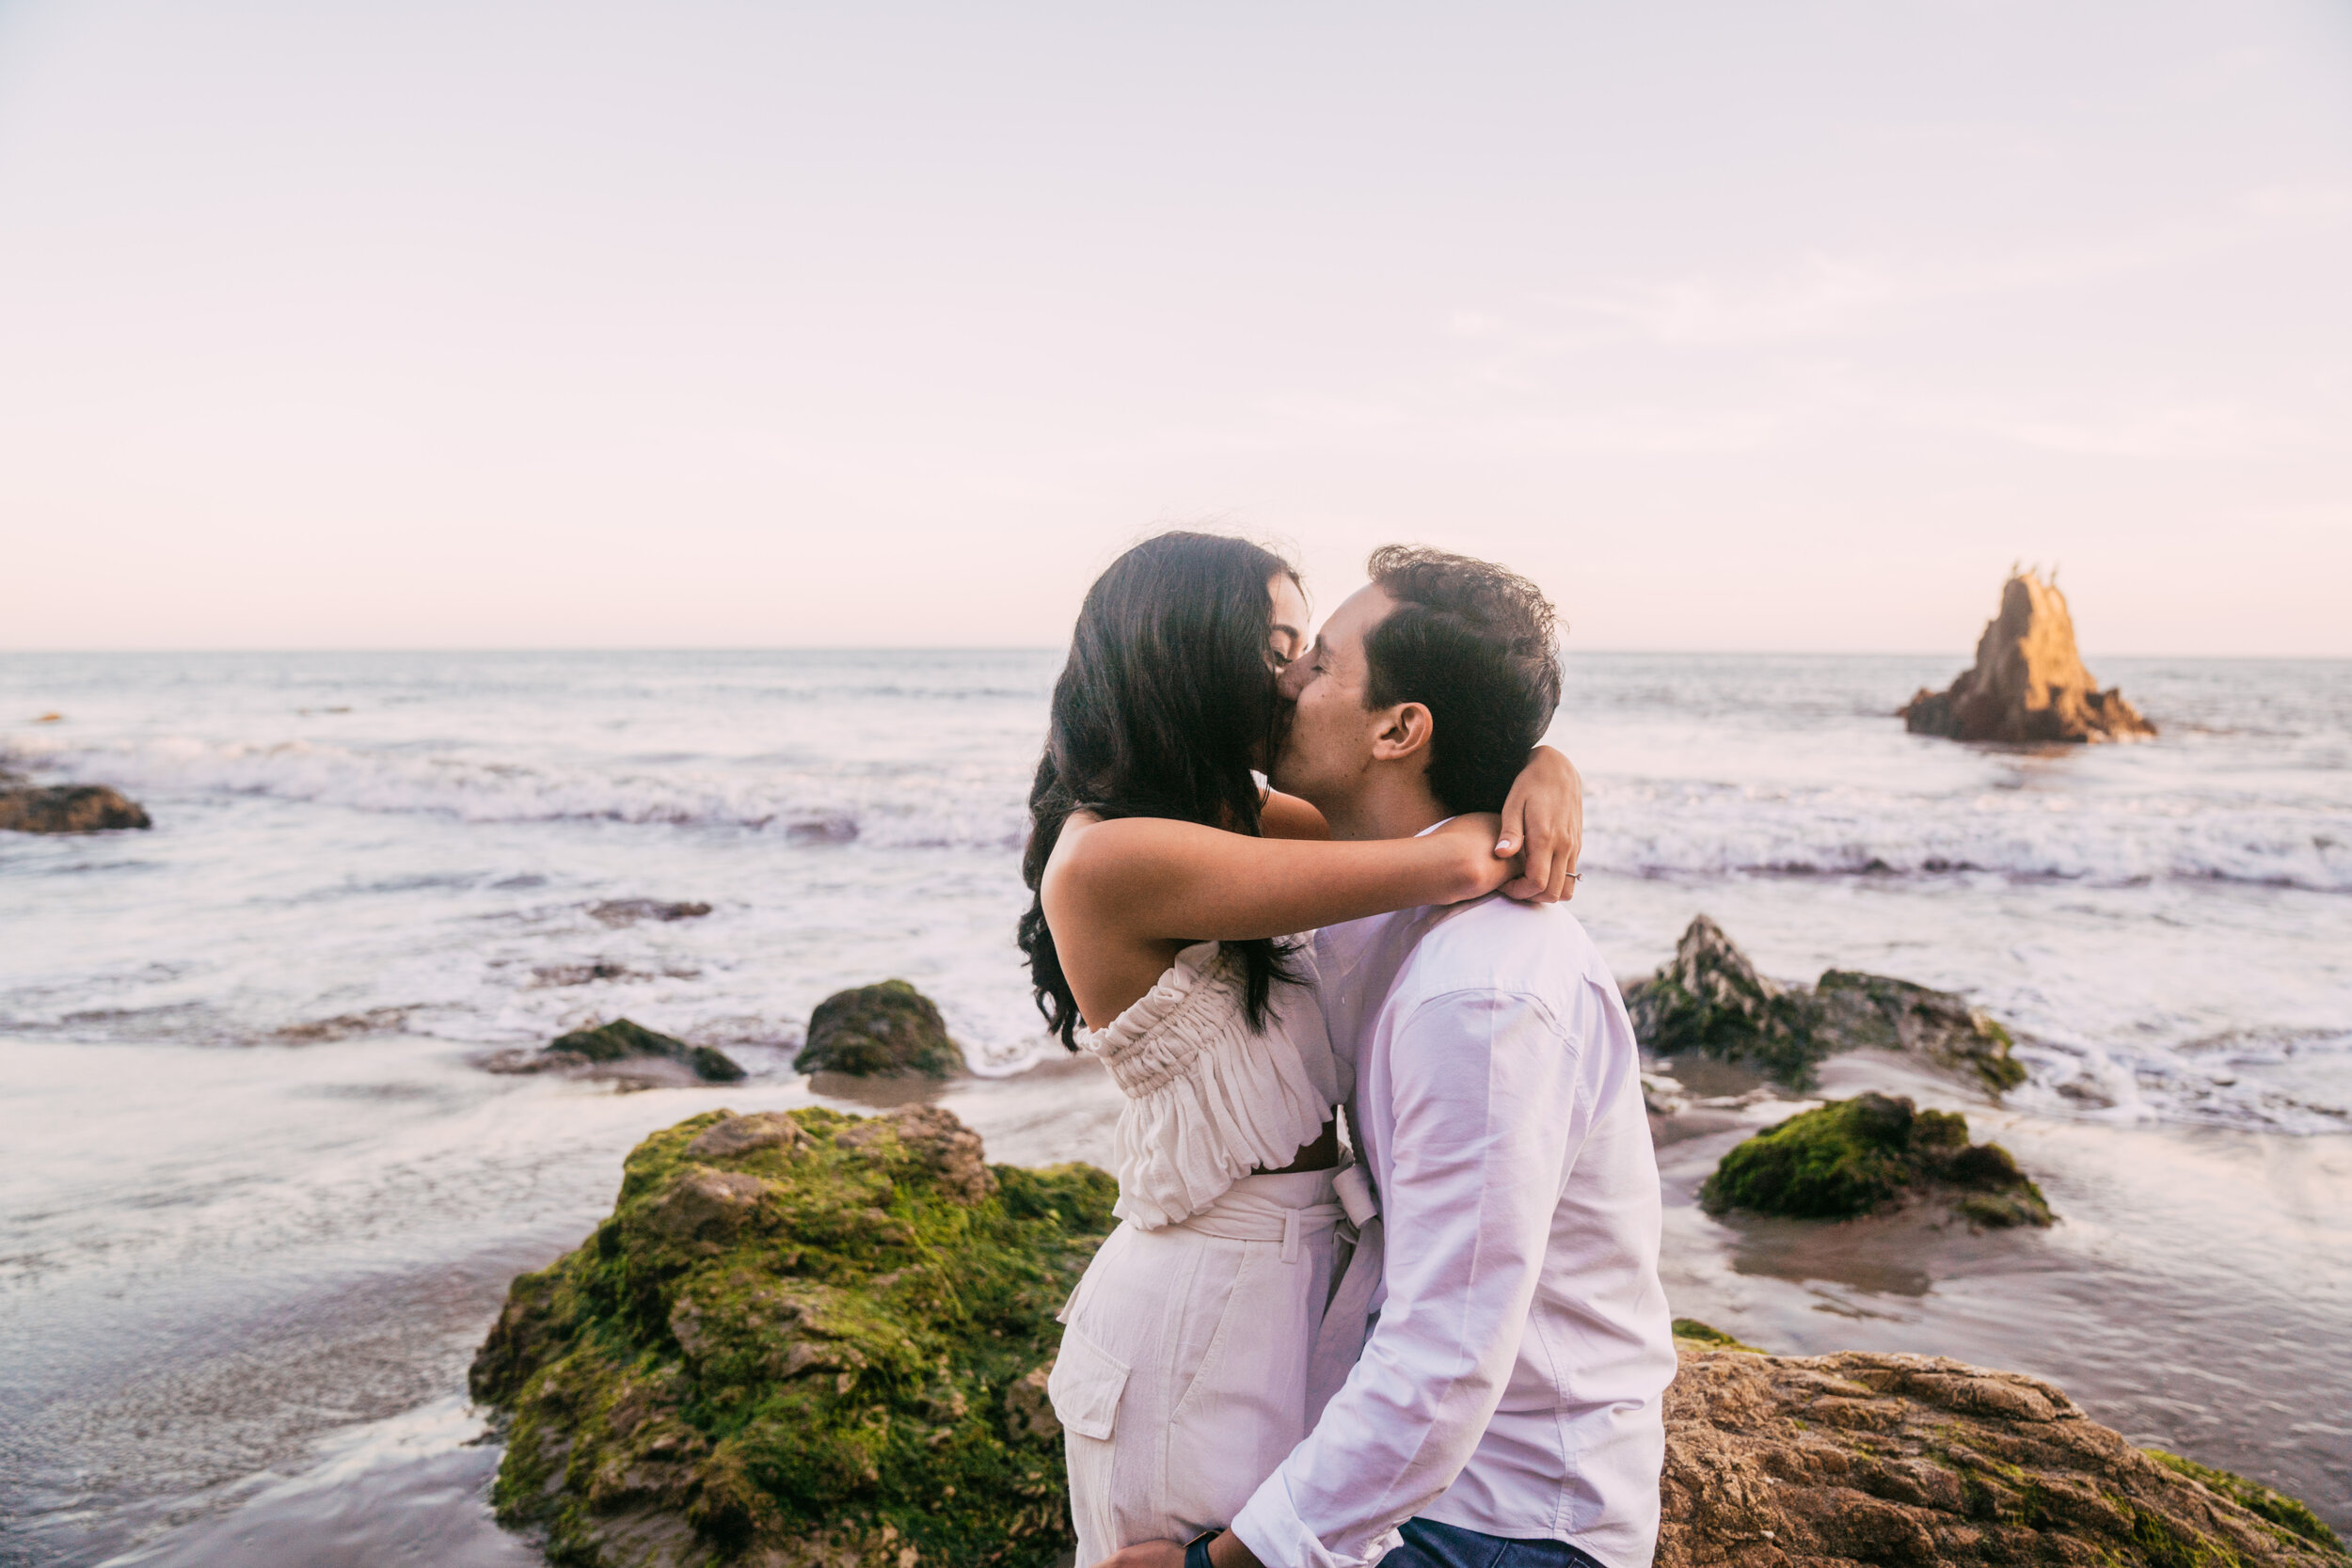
[1181, 1381]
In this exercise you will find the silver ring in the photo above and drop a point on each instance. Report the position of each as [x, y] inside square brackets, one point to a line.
[1576, 876]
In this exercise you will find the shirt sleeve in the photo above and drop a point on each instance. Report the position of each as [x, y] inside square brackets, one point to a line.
[1483, 1085]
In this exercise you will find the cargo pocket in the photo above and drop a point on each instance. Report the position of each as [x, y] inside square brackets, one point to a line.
[1085, 1386]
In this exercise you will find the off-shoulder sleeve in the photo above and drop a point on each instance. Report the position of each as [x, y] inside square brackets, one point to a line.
[1209, 1099]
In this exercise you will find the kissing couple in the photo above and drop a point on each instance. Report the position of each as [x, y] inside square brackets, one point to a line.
[1443, 1344]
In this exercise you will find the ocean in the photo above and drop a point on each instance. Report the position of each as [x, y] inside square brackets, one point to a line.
[259, 1199]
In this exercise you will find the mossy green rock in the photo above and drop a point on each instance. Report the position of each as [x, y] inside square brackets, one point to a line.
[801, 1337]
[1711, 999]
[623, 1037]
[1853, 1157]
[885, 1030]
[2290, 1513]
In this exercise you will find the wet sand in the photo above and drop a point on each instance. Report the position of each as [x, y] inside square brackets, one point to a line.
[2195, 1294]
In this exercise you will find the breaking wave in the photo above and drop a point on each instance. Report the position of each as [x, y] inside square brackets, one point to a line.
[1636, 827]
[898, 808]
[1709, 829]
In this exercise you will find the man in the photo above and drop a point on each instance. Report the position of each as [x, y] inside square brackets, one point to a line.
[1505, 1409]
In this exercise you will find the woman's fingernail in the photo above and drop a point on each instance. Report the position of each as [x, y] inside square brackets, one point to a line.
[1502, 847]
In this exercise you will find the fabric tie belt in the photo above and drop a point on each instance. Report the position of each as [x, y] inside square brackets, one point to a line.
[1240, 1216]
[1348, 1316]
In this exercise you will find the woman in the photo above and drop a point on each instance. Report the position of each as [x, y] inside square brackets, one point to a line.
[1167, 884]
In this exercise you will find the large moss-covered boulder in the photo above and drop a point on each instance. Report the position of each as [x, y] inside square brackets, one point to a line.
[623, 1038]
[1859, 1156]
[801, 1338]
[68, 809]
[1710, 999]
[880, 1031]
[1773, 1461]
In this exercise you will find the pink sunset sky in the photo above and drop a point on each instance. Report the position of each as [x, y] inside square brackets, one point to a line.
[1740, 326]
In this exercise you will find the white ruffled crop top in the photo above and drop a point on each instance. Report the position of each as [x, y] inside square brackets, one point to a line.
[1209, 1099]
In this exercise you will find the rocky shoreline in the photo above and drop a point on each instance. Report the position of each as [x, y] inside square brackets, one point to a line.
[1899, 1460]
[810, 1337]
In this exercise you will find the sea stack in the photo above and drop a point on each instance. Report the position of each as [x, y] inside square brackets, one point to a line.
[2029, 684]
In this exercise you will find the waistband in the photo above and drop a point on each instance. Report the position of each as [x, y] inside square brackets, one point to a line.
[1295, 1189]
[1286, 1208]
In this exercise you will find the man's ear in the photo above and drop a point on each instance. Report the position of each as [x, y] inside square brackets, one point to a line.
[1404, 734]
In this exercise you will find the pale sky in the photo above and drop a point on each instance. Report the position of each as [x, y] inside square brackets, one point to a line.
[1749, 326]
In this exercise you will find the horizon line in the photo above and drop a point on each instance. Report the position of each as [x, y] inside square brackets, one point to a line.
[1042, 648]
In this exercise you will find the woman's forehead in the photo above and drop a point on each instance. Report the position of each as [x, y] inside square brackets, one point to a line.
[1290, 603]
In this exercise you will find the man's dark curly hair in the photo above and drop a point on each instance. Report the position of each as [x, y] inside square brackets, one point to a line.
[1476, 645]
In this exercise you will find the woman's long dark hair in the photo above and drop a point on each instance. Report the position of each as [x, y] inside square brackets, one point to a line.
[1165, 704]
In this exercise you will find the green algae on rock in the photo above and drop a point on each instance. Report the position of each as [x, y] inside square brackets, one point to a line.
[2281, 1509]
[623, 1037]
[1855, 1011]
[1853, 1157]
[802, 1338]
[1862, 1458]
[1708, 1336]
[1711, 999]
[882, 1030]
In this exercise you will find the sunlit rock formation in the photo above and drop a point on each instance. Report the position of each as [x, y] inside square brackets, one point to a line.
[2029, 684]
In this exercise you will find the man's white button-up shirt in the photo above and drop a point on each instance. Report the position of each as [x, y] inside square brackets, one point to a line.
[1520, 1346]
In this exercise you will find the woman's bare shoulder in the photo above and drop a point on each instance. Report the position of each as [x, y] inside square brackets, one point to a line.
[1092, 847]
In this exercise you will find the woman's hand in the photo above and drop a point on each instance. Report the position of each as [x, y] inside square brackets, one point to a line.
[1542, 825]
[1483, 870]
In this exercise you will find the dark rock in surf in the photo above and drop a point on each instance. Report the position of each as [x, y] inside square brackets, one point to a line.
[68, 809]
[1868, 1154]
[802, 1338]
[1711, 999]
[628, 912]
[1837, 1461]
[623, 1038]
[343, 1026]
[2029, 684]
[1859, 1011]
[885, 1030]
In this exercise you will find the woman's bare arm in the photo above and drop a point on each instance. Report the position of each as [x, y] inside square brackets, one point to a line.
[1155, 880]
[1288, 817]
